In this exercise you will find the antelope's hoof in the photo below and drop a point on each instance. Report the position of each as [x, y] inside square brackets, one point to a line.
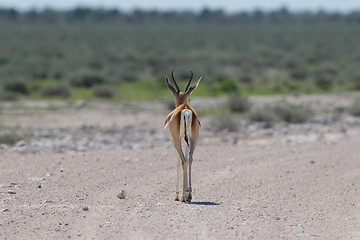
[177, 196]
[187, 197]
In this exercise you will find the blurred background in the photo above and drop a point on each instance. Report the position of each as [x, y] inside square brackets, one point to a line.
[83, 74]
[123, 49]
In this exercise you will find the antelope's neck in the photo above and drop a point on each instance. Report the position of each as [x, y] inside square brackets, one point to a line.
[181, 99]
[178, 103]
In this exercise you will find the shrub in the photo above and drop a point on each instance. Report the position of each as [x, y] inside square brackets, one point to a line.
[128, 76]
[354, 109]
[224, 122]
[263, 115]
[16, 86]
[226, 84]
[9, 138]
[356, 84]
[86, 79]
[299, 73]
[291, 113]
[58, 90]
[8, 96]
[237, 103]
[246, 78]
[325, 76]
[324, 82]
[104, 92]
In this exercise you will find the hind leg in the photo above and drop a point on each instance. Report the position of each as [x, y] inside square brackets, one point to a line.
[189, 161]
[187, 186]
[177, 180]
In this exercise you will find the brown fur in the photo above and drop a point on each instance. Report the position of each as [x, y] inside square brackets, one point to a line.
[181, 99]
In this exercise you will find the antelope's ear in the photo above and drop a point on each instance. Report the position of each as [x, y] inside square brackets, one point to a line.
[170, 87]
[192, 88]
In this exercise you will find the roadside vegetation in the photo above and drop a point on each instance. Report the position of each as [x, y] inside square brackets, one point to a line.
[109, 54]
[354, 109]
[282, 112]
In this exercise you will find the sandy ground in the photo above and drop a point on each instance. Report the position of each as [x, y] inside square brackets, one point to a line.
[268, 188]
[243, 191]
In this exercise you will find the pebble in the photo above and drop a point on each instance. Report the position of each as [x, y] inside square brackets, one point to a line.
[5, 210]
[85, 208]
[11, 191]
[20, 143]
[121, 194]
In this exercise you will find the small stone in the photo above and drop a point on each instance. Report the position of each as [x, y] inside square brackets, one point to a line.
[277, 218]
[312, 161]
[122, 194]
[11, 192]
[20, 143]
[61, 170]
[5, 210]
[85, 208]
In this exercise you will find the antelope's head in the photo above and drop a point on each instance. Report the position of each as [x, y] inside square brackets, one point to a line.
[181, 97]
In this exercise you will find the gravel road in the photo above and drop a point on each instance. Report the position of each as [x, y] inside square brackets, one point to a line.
[267, 190]
[105, 171]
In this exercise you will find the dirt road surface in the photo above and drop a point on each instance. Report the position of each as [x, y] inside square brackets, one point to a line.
[273, 190]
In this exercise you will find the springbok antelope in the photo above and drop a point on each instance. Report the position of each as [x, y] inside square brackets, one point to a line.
[182, 128]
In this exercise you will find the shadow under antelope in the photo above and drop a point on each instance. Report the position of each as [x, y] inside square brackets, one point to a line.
[182, 128]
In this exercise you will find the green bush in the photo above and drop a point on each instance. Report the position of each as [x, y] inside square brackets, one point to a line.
[356, 84]
[263, 115]
[16, 86]
[292, 113]
[354, 109]
[9, 138]
[246, 77]
[226, 84]
[8, 96]
[237, 103]
[58, 90]
[129, 77]
[86, 79]
[299, 73]
[104, 92]
[286, 112]
[325, 76]
[324, 82]
[224, 122]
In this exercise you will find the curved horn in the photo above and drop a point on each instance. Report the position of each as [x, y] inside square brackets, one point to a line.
[177, 87]
[192, 74]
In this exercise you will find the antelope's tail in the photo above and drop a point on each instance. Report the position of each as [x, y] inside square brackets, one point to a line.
[185, 126]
